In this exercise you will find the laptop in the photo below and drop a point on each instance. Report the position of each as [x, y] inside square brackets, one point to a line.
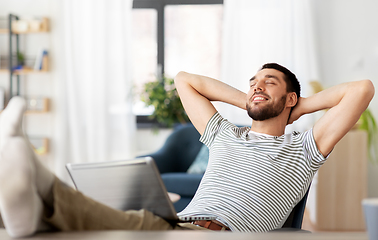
[126, 185]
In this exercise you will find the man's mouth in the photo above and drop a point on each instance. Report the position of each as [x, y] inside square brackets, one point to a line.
[258, 97]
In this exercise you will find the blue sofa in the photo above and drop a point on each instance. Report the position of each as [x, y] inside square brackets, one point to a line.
[173, 160]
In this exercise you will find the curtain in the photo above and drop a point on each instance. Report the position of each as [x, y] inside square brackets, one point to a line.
[262, 31]
[94, 112]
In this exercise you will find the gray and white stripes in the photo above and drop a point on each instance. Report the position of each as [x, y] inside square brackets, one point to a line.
[253, 180]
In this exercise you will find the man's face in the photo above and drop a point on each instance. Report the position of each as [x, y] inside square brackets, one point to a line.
[267, 95]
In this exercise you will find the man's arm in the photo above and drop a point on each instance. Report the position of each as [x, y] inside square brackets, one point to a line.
[197, 91]
[346, 102]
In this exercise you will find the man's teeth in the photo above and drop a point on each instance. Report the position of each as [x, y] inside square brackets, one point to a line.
[259, 98]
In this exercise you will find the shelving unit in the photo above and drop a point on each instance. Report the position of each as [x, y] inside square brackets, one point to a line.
[15, 28]
[14, 32]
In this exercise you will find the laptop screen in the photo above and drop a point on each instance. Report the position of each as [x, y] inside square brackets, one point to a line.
[124, 185]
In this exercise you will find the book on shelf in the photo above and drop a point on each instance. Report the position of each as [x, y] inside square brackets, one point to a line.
[41, 60]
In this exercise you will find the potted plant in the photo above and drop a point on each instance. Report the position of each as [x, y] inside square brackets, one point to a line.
[163, 96]
[20, 59]
[367, 123]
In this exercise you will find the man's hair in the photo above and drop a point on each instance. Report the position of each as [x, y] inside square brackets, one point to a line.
[292, 83]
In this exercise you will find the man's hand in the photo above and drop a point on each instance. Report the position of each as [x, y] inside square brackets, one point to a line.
[297, 112]
[196, 93]
[346, 102]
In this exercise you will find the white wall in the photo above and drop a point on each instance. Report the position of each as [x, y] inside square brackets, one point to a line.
[347, 36]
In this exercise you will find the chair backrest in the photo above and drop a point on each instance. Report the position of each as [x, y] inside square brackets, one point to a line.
[296, 216]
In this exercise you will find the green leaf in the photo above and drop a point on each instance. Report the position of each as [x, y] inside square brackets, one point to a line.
[166, 101]
[368, 124]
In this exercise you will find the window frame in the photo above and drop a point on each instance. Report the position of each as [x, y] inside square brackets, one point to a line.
[159, 6]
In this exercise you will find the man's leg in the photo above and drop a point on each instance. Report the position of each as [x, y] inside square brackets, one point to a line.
[24, 181]
[27, 189]
[73, 211]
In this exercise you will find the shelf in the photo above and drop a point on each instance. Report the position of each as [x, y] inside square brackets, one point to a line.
[37, 106]
[27, 27]
[6, 31]
[40, 145]
[23, 71]
[29, 70]
[28, 32]
[31, 112]
[26, 71]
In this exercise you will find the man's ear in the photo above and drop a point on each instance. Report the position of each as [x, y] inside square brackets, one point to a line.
[291, 99]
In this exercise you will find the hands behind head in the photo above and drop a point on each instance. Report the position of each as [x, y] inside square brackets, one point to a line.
[297, 112]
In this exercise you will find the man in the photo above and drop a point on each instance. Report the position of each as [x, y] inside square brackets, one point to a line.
[259, 171]
[254, 178]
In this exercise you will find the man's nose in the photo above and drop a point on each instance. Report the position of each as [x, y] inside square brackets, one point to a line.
[258, 87]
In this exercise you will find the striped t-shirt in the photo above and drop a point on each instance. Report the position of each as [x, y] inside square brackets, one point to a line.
[253, 180]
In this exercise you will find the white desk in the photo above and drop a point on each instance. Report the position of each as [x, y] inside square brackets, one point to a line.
[190, 235]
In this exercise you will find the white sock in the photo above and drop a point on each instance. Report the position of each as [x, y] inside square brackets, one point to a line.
[20, 205]
[24, 181]
[11, 120]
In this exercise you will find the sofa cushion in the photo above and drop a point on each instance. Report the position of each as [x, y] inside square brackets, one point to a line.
[200, 163]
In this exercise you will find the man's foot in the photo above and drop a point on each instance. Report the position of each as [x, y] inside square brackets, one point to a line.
[11, 126]
[24, 182]
[11, 120]
[20, 205]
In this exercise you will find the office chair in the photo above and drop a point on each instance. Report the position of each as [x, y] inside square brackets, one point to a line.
[294, 221]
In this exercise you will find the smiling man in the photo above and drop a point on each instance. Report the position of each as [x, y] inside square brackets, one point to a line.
[255, 175]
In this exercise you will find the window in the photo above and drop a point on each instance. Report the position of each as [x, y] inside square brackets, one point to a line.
[144, 54]
[193, 39]
[174, 35]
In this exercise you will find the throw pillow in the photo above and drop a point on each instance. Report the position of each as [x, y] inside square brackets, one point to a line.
[200, 163]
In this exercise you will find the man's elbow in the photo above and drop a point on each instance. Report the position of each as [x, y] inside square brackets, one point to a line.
[367, 89]
[181, 76]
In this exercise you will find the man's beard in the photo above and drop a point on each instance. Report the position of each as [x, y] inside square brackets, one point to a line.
[268, 111]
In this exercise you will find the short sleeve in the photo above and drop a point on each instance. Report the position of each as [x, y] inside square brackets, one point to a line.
[311, 150]
[215, 125]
